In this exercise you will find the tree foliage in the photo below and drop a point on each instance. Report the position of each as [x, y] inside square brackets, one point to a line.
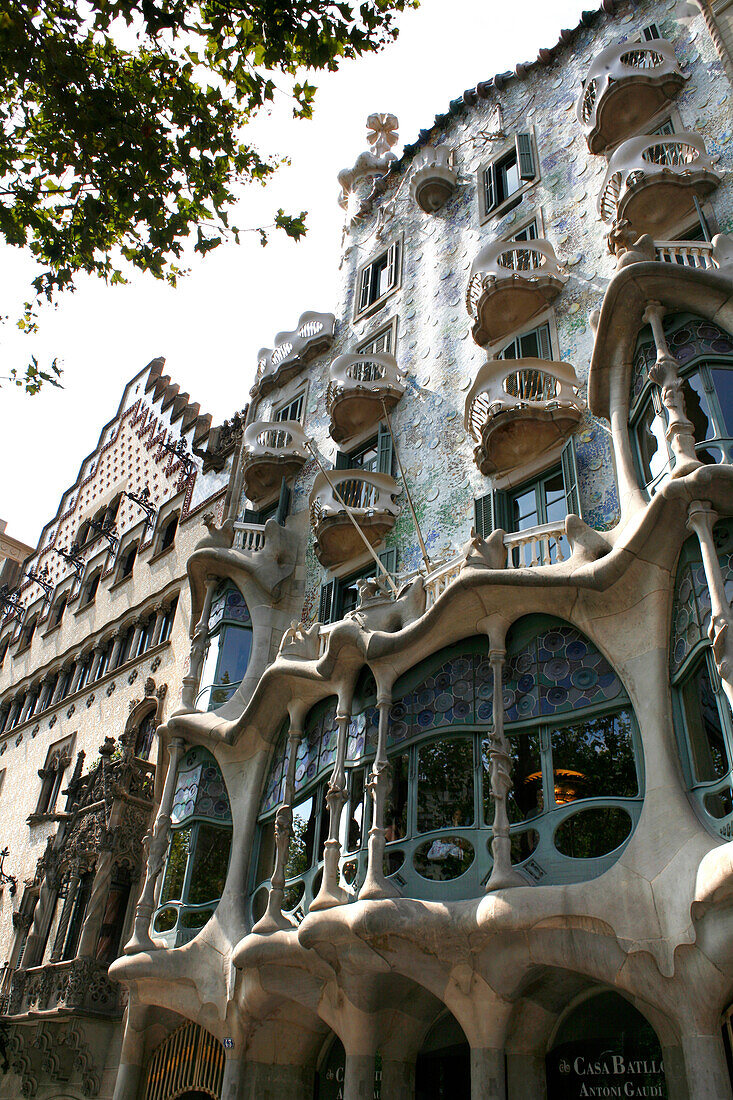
[123, 121]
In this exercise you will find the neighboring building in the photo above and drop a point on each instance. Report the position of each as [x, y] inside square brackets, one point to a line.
[93, 646]
[444, 792]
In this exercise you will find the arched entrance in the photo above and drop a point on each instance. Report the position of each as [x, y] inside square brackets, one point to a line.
[443, 1070]
[188, 1065]
[605, 1047]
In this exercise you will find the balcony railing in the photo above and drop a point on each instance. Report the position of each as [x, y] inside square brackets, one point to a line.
[518, 408]
[687, 253]
[275, 366]
[652, 181]
[273, 450]
[249, 536]
[510, 282]
[626, 86]
[77, 985]
[358, 387]
[369, 497]
[543, 545]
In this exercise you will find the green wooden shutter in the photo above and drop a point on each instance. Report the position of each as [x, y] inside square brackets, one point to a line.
[251, 516]
[365, 287]
[491, 512]
[489, 188]
[343, 461]
[325, 609]
[283, 504]
[570, 478]
[393, 256]
[384, 449]
[388, 559]
[525, 156]
[543, 341]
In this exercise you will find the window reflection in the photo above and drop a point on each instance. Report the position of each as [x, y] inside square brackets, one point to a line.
[651, 438]
[594, 758]
[525, 801]
[395, 811]
[704, 728]
[444, 785]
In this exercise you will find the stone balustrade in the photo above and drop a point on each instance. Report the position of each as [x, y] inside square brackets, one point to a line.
[627, 84]
[511, 282]
[518, 408]
[361, 387]
[368, 497]
[273, 450]
[545, 544]
[687, 253]
[249, 536]
[78, 985]
[652, 181]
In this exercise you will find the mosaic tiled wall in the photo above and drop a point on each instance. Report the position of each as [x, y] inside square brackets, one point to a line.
[434, 343]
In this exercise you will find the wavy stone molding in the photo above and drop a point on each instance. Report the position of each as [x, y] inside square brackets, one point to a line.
[276, 366]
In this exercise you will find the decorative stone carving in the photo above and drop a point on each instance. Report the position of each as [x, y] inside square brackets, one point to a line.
[511, 282]
[292, 351]
[433, 181]
[356, 183]
[368, 497]
[273, 450]
[301, 642]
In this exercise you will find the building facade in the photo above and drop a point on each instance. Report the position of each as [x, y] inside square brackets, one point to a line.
[443, 802]
[94, 641]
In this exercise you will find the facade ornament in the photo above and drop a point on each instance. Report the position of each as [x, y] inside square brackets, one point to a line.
[380, 781]
[665, 372]
[161, 692]
[490, 553]
[701, 520]
[433, 178]
[155, 664]
[382, 133]
[331, 892]
[111, 687]
[357, 182]
[301, 641]
[628, 246]
[90, 699]
[500, 773]
[149, 687]
[132, 677]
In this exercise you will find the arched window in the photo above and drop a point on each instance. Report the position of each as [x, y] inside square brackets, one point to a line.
[705, 354]
[188, 1064]
[127, 561]
[198, 854]
[229, 647]
[57, 611]
[89, 592]
[27, 632]
[702, 714]
[576, 771]
[144, 734]
[168, 533]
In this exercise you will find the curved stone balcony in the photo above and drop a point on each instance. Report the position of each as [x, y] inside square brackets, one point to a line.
[359, 384]
[652, 182]
[276, 366]
[433, 180]
[627, 84]
[511, 282]
[273, 450]
[370, 499]
[518, 408]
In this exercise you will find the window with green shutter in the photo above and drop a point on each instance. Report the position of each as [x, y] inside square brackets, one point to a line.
[506, 176]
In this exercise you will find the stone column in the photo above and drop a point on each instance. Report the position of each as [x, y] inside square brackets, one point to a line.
[398, 1080]
[77, 675]
[58, 690]
[155, 844]
[45, 692]
[375, 883]
[137, 634]
[132, 1054]
[63, 925]
[233, 1080]
[114, 658]
[15, 708]
[526, 1076]
[32, 956]
[359, 1077]
[160, 610]
[198, 650]
[500, 770]
[487, 1073]
[665, 372]
[705, 1067]
[98, 897]
[701, 519]
[98, 652]
[331, 892]
[273, 918]
[30, 699]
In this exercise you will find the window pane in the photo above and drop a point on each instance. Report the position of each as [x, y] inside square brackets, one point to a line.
[382, 278]
[698, 411]
[594, 758]
[301, 846]
[175, 868]
[529, 345]
[704, 729]
[593, 833]
[723, 382]
[507, 178]
[650, 437]
[554, 493]
[395, 810]
[445, 785]
[525, 512]
[210, 862]
[526, 800]
[234, 650]
[354, 819]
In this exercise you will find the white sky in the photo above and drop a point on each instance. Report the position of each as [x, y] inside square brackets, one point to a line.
[234, 302]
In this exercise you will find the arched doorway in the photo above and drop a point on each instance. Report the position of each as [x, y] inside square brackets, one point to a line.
[443, 1070]
[188, 1065]
[605, 1047]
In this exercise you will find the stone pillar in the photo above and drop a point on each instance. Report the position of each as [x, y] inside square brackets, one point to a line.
[79, 668]
[44, 694]
[375, 883]
[58, 690]
[500, 770]
[273, 918]
[155, 844]
[132, 1054]
[15, 708]
[160, 610]
[117, 639]
[331, 892]
[487, 1073]
[232, 1082]
[98, 652]
[398, 1080]
[101, 883]
[701, 520]
[359, 1077]
[63, 925]
[198, 649]
[32, 956]
[706, 1068]
[263, 1081]
[665, 372]
[27, 710]
[137, 634]
[674, 1073]
[526, 1076]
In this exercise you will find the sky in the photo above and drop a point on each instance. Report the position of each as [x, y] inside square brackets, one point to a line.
[210, 328]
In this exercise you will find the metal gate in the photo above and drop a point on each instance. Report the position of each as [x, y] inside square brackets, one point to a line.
[190, 1059]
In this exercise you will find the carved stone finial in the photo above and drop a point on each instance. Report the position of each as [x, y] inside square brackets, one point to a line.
[382, 132]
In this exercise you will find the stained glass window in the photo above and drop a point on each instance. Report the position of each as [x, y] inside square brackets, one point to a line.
[228, 650]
